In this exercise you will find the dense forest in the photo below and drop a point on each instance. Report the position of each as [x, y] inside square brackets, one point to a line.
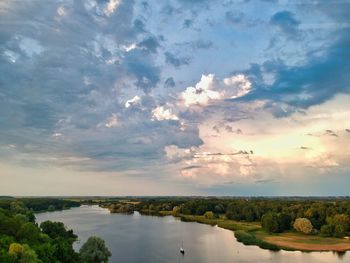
[24, 241]
[325, 217]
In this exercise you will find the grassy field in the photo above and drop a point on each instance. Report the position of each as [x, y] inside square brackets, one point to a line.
[223, 223]
[297, 241]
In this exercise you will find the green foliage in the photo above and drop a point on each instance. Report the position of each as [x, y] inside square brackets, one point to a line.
[94, 250]
[339, 230]
[209, 215]
[275, 222]
[337, 226]
[23, 253]
[327, 230]
[251, 239]
[57, 230]
[28, 233]
[22, 241]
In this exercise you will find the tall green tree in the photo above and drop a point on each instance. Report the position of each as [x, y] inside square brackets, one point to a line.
[94, 250]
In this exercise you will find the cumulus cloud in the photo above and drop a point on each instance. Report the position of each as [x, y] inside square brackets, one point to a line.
[238, 85]
[112, 121]
[111, 6]
[162, 113]
[208, 90]
[134, 101]
[175, 154]
[202, 94]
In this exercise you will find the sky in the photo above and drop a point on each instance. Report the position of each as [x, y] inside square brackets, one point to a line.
[179, 97]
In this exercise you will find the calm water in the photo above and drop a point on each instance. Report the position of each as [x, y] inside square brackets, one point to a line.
[136, 238]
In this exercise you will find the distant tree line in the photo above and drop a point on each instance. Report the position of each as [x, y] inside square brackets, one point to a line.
[325, 217]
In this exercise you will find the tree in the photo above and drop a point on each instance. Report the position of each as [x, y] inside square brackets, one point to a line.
[339, 231]
[303, 225]
[327, 230]
[209, 215]
[28, 233]
[94, 250]
[270, 222]
[219, 209]
[56, 230]
[285, 221]
[23, 253]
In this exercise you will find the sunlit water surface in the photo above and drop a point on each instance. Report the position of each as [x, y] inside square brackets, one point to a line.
[136, 238]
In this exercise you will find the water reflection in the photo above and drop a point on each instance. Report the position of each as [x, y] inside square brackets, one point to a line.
[136, 238]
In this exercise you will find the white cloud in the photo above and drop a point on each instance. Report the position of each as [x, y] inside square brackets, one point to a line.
[30, 46]
[11, 56]
[111, 6]
[161, 113]
[202, 93]
[112, 121]
[130, 47]
[61, 11]
[134, 101]
[174, 153]
[239, 86]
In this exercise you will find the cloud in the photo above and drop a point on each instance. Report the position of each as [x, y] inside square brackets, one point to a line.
[169, 83]
[176, 61]
[161, 113]
[90, 85]
[209, 90]
[202, 93]
[112, 121]
[304, 148]
[134, 101]
[331, 133]
[176, 154]
[234, 18]
[149, 44]
[111, 6]
[241, 84]
[286, 22]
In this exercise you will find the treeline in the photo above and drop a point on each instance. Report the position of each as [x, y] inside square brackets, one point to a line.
[325, 217]
[40, 204]
[22, 240]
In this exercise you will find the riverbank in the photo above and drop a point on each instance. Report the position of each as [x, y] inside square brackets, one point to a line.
[251, 233]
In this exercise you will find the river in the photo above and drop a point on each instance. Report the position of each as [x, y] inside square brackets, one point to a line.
[136, 238]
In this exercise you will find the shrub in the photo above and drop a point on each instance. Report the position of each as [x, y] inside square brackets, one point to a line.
[209, 215]
[250, 239]
[327, 230]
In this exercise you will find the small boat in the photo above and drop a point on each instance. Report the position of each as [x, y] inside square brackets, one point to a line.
[182, 251]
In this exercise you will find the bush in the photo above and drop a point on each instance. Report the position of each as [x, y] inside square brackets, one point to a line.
[339, 231]
[303, 225]
[209, 215]
[327, 230]
[250, 239]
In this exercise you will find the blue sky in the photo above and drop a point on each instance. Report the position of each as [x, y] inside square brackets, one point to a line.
[179, 97]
